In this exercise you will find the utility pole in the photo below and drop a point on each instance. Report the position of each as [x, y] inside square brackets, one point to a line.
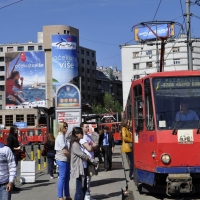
[157, 52]
[189, 43]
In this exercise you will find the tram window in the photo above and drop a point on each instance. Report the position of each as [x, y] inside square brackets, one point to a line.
[138, 107]
[30, 132]
[39, 131]
[148, 106]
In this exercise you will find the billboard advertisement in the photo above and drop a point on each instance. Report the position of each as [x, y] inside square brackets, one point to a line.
[68, 96]
[64, 60]
[72, 117]
[162, 30]
[25, 79]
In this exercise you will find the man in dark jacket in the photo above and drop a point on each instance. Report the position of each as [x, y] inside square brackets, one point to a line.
[106, 142]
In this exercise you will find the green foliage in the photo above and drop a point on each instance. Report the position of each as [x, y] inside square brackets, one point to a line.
[108, 105]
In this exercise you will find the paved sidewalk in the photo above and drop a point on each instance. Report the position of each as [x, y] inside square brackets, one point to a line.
[107, 185]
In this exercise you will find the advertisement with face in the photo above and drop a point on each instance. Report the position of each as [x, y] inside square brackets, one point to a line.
[64, 60]
[25, 79]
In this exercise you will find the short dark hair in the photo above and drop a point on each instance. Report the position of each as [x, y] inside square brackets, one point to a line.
[82, 124]
[105, 127]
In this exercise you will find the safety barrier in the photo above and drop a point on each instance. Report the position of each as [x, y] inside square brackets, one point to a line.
[35, 154]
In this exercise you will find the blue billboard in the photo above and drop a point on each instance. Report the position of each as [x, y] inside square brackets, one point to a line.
[21, 124]
[162, 30]
[25, 79]
[64, 60]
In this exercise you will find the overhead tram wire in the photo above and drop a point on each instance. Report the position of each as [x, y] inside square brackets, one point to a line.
[11, 4]
[182, 13]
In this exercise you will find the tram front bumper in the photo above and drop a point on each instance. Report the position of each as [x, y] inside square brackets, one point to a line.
[179, 183]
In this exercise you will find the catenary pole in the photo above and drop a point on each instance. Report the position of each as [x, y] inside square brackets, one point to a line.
[189, 43]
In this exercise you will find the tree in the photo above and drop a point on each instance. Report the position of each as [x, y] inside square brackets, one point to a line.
[109, 105]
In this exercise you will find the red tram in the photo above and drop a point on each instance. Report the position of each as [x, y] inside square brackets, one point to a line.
[27, 135]
[166, 139]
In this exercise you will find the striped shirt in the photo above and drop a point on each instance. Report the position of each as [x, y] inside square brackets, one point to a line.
[7, 165]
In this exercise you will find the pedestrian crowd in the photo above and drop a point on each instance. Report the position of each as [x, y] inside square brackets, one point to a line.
[74, 154]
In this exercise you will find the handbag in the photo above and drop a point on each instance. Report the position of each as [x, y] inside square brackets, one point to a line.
[21, 155]
[91, 169]
[44, 151]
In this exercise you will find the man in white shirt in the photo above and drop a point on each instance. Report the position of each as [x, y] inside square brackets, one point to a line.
[7, 172]
[88, 146]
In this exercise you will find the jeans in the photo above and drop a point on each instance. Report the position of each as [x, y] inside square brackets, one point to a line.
[51, 158]
[64, 177]
[81, 187]
[107, 152]
[4, 195]
[88, 186]
[130, 156]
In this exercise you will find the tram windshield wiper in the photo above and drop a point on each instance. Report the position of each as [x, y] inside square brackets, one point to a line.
[198, 127]
[174, 129]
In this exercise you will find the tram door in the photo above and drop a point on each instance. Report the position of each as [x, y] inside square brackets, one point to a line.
[139, 150]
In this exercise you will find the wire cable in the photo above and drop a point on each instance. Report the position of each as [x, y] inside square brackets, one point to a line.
[11, 4]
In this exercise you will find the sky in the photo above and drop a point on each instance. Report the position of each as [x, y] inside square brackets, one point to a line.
[103, 25]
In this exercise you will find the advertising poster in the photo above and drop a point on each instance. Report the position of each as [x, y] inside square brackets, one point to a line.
[64, 60]
[162, 30]
[25, 79]
[68, 96]
[73, 118]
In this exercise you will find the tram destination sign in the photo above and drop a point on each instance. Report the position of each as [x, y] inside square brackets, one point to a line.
[183, 82]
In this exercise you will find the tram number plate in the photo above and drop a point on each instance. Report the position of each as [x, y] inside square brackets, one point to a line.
[185, 136]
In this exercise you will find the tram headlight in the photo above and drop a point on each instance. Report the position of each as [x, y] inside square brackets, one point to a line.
[165, 159]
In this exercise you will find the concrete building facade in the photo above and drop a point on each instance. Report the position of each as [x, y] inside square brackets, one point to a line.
[139, 60]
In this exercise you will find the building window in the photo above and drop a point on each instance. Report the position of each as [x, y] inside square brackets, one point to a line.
[89, 88]
[9, 49]
[1, 119]
[92, 63]
[1, 87]
[1, 49]
[0, 97]
[64, 31]
[82, 60]
[88, 62]
[149, 52]
[88, 79]
[83, 69]
[82, 51]
[30, 48]
[2, 78]
[177, 62]
[9, 120]
[83, 87]
[149, 64]
[88, 97]
[135, 54]
[92, 71]
[39, 47]
[19, 118]
[175, 49]
[1, 59]
[31, 120]
[20, 48]
[88, 71]
[0, 107]
[87, 53]
[1, 68]
[136, 66]
[68, 32]
[82, 78]
[93, 54]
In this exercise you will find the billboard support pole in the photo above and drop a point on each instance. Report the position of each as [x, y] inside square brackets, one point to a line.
[189, 43]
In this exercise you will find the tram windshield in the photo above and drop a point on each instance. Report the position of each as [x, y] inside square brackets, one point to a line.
[177, 102]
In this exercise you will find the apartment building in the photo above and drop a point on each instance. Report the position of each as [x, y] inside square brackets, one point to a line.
[139, 60]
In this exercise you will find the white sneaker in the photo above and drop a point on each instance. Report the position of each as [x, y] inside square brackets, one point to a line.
[88, 198]
[52, 177]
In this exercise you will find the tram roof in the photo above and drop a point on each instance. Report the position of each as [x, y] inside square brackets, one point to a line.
[173, 73]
